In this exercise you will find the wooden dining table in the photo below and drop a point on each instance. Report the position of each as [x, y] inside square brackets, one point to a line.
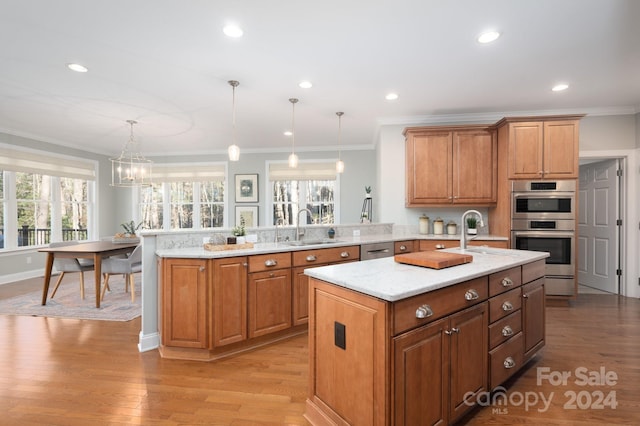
[95, 250]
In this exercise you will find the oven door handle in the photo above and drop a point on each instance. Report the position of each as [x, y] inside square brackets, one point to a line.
[547, 234]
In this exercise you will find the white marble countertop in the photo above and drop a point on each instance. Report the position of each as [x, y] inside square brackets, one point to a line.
[392, 281]
[263, 248]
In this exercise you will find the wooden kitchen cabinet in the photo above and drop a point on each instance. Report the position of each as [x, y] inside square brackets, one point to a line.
[229, 323]
[184, 303]
[533, 321]
[542, 149]
[408, 246]
[443, 365]
[451, 165]
[269, 301]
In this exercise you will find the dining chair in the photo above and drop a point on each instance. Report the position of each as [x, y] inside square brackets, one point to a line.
[64, 265]
[129, 266]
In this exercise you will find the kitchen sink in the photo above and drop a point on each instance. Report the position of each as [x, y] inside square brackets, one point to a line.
[312, 242]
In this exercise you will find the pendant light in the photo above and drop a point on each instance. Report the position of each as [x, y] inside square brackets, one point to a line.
[234, 150]
[130, 168]
[293, 158]
[339, 163]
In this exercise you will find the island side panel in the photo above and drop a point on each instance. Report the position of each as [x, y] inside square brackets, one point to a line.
[348, 354]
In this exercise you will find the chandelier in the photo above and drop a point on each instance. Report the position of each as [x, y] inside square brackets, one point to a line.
[130, 168]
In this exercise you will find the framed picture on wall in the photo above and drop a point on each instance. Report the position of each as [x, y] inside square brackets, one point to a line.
[249, 214]
[247, 188]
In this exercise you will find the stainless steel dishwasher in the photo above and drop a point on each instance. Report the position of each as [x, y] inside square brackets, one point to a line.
[376, 250]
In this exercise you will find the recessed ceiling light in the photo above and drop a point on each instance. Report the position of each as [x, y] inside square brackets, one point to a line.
[560, 87]
[232, 30]
[391, 96]
[288, 133]
[77, 67]
[488, 37]
[305, 84]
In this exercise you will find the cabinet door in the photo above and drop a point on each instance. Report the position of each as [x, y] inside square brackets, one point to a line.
[184, 303]
[525, 150]
[269, 302]
[300, 296]
[429, 168]
[421, 375]
[560, 150]
[469, 347]
[475, 167]
[229, 300]
[533, 307]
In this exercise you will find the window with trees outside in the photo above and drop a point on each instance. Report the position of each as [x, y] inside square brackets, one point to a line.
[44, 198]
[184, 197]
[312, 186]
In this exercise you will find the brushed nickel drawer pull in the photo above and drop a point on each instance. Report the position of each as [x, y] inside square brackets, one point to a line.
[311, 258]
[507, 331]
[509, 362]
[424, 311]
[440, 246]
[471, 294]
[270, 262]
[507, 306]
[452, 331]
[344, 254]
[403, 248]
[507, 282]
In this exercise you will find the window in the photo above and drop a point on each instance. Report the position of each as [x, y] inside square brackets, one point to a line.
[184, 197]
[43, 198]
[311, 186]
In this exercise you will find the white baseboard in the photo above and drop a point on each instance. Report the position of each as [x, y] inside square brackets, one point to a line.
[148, 342]
[5, 279]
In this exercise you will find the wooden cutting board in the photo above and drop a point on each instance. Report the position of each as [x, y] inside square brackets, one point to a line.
[433, 259]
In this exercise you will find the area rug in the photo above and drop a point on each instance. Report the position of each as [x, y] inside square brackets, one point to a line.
[67, 303]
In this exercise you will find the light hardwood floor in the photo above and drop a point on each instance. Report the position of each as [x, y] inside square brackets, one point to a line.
[73, 372]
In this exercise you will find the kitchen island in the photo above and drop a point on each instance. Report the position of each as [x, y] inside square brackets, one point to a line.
[391, 343]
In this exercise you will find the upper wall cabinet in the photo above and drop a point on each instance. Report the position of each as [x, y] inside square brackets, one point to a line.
[451, 165]
[545, 148]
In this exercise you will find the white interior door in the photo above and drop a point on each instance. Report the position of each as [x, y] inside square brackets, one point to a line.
[597, 243]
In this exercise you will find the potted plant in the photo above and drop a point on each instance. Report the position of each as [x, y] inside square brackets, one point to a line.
[472, 222]
[239, 231]
[130, 228]
[367, 190]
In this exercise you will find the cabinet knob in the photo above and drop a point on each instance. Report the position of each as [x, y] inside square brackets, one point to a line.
[202, 268]
[471, 294]
[507, 331]
[270, 262]
[311, 258]
[509, 362]
[525, 296]
[507, 282]
[245, 264]
[440, 246]
[344, 254]
[452, 331]
[424, 311]
[403, 248]
[271, 275]
[507, 306]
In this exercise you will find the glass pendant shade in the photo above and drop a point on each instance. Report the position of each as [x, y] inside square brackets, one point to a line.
[130, 168]
[339, 166]
[234, 150]
[293, 161]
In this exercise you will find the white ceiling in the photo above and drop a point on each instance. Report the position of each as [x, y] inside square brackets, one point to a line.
[166, 63]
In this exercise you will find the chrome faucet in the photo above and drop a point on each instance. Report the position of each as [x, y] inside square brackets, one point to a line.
[300, 232]
[279, 221]
[463, 233]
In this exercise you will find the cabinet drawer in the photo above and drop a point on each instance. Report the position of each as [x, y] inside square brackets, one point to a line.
[437, 304]
[328, 255]
[400, 247]
[505, 360]
[427, 245]
[504, 329]
[533, 271]
[267, 262]
[504, 280]
[504, 304]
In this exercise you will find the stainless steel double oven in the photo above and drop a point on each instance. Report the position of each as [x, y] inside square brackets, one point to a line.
[543, 219]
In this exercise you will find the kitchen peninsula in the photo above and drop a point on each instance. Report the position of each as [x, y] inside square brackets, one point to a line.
[391, 343]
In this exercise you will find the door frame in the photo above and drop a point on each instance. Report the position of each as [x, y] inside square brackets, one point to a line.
[629, 243]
